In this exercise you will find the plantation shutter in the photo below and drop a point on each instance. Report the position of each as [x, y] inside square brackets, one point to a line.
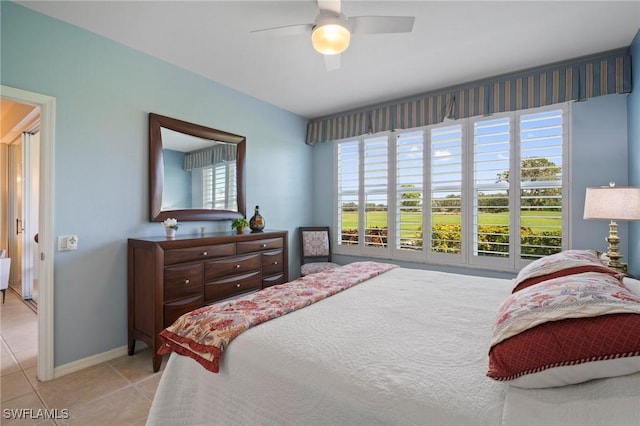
[208, 201]
[446, 189]
[491, 165]
[348, 180]
[409, 190]
[232, 186]
[219, 186]
[375, 183]
[541, 136]
[482, 192]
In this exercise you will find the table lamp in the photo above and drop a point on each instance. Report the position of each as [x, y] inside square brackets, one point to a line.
[613, 203]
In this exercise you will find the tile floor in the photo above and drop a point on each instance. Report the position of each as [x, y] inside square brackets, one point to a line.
[114, 392]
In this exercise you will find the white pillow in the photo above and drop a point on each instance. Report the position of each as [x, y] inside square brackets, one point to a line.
[632, 284]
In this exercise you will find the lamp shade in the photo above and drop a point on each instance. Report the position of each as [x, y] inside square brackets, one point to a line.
[612, 203]
[330, 34]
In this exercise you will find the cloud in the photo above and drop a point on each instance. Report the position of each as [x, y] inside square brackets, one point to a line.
[443, 155]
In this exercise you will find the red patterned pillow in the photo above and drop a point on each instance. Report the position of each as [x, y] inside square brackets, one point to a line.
[570, 351]
[566, 262]
[566, 330]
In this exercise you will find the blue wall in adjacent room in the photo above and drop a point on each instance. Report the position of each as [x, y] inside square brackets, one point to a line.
[633, 126]
[104, 92]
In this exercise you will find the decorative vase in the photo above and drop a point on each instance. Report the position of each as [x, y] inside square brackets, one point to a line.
[171, 233]
[256, 223]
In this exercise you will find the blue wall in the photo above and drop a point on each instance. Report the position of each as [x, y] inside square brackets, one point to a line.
[176, 193]
[633, 125]
[599, 144]
[104, 92]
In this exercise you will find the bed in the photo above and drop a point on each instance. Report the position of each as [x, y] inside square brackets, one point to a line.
[404, 347]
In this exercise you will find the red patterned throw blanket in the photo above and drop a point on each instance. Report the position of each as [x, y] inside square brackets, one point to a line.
[204, 333]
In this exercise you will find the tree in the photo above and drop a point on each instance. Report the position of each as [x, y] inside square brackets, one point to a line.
[449, 204]
[536, 169]
[350, 207]
[410, 200]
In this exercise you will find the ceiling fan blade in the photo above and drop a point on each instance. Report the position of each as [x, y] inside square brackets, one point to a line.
[381, 24]
[288, 30]
[330, 5]
[332, 62]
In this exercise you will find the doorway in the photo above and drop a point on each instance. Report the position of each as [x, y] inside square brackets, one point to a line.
[21, 206]
[42, 258]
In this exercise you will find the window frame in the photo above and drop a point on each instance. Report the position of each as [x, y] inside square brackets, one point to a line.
[465, 258]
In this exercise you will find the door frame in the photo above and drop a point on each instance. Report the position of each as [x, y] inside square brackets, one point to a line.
[47, 106]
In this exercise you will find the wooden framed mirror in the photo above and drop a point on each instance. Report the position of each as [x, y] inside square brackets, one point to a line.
[195, 172]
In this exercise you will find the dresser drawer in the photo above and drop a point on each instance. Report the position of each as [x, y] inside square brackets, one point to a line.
[173, 310]
[198, 253]
[271, 262]
[273, 280]
[259, 245]
[231, 266]
[182, 281]
[231, 286]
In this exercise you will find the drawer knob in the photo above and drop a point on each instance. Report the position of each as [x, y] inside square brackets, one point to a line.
[237, 266]
[186, 281]
[263, 245]
[275, 263]
[237, 285]
[204, 253]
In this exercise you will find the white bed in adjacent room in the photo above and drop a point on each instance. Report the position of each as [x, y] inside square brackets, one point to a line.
[406, 347]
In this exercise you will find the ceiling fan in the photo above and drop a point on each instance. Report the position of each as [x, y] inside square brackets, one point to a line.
[331, 31]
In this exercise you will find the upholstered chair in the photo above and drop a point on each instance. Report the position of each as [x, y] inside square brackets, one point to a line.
[315, 250]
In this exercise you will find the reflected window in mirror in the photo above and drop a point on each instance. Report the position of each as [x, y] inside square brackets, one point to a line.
[196, 173]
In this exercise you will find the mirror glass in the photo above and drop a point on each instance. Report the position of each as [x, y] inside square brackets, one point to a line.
[196, 173]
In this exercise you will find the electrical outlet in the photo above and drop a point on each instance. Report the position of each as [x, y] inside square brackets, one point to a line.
[67, 242]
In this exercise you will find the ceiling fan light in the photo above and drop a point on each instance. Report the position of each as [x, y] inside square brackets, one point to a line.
[330, 39]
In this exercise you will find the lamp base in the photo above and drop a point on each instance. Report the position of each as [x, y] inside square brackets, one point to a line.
[613, 254]
[618, 266]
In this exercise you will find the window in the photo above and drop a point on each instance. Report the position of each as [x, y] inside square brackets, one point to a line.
[541, 137]
[375, 185]
[219, 186]
[207, 187]
[348, 192]
[489, 190]
[409, 190]
[446, 189]
[491, 203]
[367, 187]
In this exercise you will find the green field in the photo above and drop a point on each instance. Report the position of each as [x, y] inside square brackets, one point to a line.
[536, 220]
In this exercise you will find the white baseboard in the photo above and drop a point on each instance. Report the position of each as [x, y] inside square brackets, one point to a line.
[92, 360]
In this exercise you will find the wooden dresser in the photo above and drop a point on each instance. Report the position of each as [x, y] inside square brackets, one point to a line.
[169, 277]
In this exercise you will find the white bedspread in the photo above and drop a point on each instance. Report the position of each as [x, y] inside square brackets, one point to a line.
[408, 347]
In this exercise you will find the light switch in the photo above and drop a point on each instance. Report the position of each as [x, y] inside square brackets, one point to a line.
[67, 242]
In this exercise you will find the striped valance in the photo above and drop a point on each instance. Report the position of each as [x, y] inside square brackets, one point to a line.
[210, 156]
[580, 79]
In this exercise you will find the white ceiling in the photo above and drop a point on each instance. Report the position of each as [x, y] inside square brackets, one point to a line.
[452, 42]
